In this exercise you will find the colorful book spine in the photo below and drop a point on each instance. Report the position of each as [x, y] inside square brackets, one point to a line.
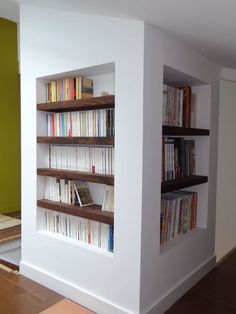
[69, 89]
[178, 214]
[178, 158]
[82, 123]
[88, 231]
[177, 107]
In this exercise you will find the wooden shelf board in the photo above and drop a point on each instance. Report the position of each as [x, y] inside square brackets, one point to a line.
[101, 141]
[92, 212]
[10, 234]
[76, 175]
[169, 186]
[92, 103]
[174, 130]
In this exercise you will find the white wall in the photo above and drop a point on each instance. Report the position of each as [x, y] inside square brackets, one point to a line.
[183, 264]
[52, 42]
[139, 276]
[226, 186]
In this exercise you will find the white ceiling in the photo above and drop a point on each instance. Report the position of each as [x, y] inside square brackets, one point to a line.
[208, 26]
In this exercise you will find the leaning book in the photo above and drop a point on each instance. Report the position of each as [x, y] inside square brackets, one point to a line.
[108, 200]
[83, 195]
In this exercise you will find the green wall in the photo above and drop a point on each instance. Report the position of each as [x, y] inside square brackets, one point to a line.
[9, 119]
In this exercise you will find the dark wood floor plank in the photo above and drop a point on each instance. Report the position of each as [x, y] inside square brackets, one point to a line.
[197, 304]
[10, 234]
[9, 265]
[20, 295]
[16, 214]
[7, 275]
[18, 301]
[13, 233]
[5, 284]
[215, 293]
[43, 293]
[220, 283]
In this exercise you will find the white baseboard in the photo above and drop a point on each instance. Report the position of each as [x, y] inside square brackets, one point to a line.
[177, 291]
[103, 306]
[70, 291]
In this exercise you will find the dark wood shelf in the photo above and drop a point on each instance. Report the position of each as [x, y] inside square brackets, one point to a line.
[93, 103]
[175, 130]
[92, 212]
[170, 186]
[103, 141]
[76, 175]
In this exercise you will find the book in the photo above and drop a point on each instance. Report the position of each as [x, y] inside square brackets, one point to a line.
[85, 88]
[83, 194]
[178, 158]
[108, 200]
[88, 231]
[186, 106]
[178, 214]
[193, 120]
[81, 123]
[81, 158]
[179, 107]
[69, 89]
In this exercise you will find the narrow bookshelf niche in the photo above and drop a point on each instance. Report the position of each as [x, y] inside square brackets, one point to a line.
[76, 156]
[185, 157]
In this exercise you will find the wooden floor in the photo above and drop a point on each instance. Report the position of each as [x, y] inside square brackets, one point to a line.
[214, 294]
[66, 306]
[13, 233]
[19, 295]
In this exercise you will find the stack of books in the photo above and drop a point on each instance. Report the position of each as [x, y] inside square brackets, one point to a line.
[178, 214]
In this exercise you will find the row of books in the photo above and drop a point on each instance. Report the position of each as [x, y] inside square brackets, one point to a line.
[85, 230]
[178, 214]
[81, 158]
[67, 191]
[81, 123]
[179, 107]
[178, 158]
[76, 193]
[69, 89]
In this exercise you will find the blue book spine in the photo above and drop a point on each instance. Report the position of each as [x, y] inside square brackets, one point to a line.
[111, 238]
[63, 124]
